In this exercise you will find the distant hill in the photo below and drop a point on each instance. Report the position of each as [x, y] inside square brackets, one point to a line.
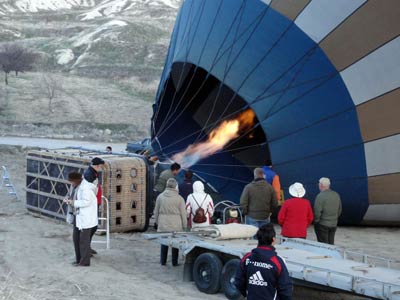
[90, 37]
[112, 6]
[119, 45]
[32, 6]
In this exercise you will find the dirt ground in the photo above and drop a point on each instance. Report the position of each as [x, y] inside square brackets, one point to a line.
[36, 255]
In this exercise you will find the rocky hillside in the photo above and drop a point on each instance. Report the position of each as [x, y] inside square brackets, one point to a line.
[96, 38]
[110, 49]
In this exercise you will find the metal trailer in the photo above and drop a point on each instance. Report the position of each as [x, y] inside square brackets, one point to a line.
[212, 265]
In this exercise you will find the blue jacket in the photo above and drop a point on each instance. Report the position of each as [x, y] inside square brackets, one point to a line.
[262, 275]
[269, 174]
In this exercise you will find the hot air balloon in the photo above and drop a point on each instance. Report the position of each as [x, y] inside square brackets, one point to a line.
[322, 78]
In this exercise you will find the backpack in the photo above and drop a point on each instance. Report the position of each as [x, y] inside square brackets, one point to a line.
[200, 215]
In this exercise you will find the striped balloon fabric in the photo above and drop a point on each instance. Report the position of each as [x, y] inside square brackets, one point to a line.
[322, 78]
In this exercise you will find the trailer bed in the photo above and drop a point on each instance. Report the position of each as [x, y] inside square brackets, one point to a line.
[310, 263]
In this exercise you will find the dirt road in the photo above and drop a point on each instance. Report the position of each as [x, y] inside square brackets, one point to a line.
[36, 255]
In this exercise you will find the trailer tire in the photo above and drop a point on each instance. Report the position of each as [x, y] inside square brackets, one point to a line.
[227, 278]
[207, 273]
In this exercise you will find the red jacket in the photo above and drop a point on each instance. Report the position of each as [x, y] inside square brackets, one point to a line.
[99, 194]
[295, 216]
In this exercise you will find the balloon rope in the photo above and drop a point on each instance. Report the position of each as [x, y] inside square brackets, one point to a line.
[314, 123]
[258, 98]
[219, 176]
[159, 105]
[166, 120]
[259, 18]
[219, 152]
[259, 62]
[226, 165]
[199, 136]
[237, 111]
[211, 125]
[279, 98]
[188, 47]
[216, 60]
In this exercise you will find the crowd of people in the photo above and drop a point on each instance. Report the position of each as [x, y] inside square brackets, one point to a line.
[178, 207]
[262, 274]
[259, 199]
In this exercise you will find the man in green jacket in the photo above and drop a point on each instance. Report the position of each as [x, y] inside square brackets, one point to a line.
[258, 200]
[161, 183]
[327, 209]
[165, 175]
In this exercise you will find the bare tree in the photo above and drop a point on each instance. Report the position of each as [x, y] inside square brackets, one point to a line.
[51, 86]
[16, 58]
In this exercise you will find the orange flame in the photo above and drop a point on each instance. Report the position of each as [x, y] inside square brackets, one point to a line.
[217, 139]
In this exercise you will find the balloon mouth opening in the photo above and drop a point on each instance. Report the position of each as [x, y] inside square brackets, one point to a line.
[192, 105]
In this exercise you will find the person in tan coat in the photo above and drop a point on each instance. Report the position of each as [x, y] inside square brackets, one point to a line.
[170, 216]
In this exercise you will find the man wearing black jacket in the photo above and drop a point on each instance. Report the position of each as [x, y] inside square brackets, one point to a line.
[92, 175]
[262, 274]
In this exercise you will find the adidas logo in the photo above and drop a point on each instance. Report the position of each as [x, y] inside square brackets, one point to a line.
[257, 279]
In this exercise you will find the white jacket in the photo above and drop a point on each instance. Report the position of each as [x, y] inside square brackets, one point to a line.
[86, 203]
[204, 200]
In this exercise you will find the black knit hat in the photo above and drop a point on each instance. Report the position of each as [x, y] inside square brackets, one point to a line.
[97, 161]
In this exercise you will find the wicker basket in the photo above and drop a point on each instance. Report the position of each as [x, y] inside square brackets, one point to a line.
[124, 182]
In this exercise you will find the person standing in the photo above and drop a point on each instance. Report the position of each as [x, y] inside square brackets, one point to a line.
[258, 200]
[165, 175]
[262, 274]
[296, 213]
[327, 210]
[86, 219]
[170, 216]
[91, 175]
[159, 187]
[273, 179]
[186, 187]
[75, 180]
[199, 199]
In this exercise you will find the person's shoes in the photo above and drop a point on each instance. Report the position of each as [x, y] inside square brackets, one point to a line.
[93, 251]
[83, 265]
[74, 263]
[175, 265]
[163, 263]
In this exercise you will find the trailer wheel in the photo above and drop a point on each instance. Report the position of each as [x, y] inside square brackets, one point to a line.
[227, 279]
[207, 273]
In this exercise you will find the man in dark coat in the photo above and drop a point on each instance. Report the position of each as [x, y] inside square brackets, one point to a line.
[186, 187]
[262, 274]
[92, 175]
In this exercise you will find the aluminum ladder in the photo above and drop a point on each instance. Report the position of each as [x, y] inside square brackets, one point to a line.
[107, 220]
[5, 179]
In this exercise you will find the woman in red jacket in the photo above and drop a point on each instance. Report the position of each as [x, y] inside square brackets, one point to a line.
[296, 213]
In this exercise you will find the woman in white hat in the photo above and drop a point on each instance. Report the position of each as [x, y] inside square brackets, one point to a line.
[296, 213]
